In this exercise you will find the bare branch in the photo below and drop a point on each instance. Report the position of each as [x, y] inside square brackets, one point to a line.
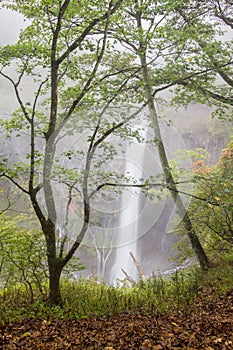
[15, 183]
[136, 263]
[148, 186]
[37, 96]
[128, 278]
[6, 208]
[15, 85]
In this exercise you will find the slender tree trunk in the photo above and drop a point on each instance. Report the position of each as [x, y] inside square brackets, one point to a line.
[181, 210]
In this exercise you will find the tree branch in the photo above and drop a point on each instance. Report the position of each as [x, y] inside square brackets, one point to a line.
[215, 96]
[15, 183]
[15, 85]
[148, 186]
[88, 29]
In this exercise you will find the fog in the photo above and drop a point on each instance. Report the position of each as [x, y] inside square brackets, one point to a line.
[10, 25]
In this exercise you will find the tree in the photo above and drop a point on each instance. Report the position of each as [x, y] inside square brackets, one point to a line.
[207, 46]
[181, 43]
[143, 35]
[213, 214]
[22, 252]
[64, 82]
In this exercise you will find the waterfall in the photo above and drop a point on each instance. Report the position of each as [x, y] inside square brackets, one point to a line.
[128, 227]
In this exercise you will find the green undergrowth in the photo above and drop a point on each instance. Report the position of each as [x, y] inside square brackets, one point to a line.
[88, 298]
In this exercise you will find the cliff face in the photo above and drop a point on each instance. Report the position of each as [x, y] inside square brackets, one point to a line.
[203, 139]
[199, 130]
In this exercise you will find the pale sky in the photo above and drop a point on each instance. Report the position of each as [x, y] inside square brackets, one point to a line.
[10, 25]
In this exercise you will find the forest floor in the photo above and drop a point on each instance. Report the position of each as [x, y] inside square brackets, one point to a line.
[209, 325]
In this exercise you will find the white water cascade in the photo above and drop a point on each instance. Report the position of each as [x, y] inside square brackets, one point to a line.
[128, 229]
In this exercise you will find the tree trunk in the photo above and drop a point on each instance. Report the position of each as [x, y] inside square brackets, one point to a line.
[55, 264]
[181, 210]
[55, 270]
[195, 243]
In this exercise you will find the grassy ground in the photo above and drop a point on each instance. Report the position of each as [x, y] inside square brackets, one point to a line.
[88, 298]
[189, 308]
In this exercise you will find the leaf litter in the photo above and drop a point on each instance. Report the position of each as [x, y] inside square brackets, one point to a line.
[208, 326]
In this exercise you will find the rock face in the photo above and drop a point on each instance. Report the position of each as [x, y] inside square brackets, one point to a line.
[203, 139]
[199, 130]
